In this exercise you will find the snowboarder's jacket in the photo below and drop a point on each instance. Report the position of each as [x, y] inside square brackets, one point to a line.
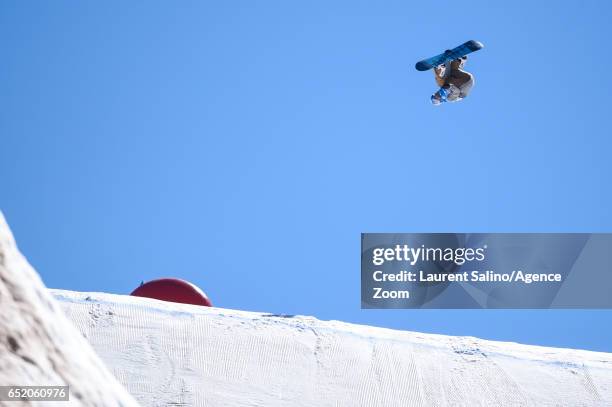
[456, 78]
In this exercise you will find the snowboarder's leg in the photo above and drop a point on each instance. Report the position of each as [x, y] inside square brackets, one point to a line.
[442, 73]
[439, 72]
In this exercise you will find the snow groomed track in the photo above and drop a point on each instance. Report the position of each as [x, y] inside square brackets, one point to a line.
[169, 354]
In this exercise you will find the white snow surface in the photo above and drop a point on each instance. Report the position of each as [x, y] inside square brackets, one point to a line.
[169, 354]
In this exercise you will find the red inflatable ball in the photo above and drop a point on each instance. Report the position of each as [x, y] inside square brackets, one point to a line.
[173, 290]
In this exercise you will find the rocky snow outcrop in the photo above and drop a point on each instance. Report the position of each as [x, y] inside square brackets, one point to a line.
[39, 345]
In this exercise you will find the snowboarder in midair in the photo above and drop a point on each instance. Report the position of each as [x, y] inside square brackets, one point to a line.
[455, 83]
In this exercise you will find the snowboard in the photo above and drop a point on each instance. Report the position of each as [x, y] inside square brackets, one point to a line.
[449, 55]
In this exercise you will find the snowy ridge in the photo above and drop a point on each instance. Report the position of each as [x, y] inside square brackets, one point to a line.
[169, 354]
[39, 346]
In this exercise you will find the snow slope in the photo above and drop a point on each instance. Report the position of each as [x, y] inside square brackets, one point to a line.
[180, 355]
[39, 346]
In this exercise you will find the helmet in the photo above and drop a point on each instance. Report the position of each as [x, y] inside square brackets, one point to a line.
[440, 96]
[443, 92]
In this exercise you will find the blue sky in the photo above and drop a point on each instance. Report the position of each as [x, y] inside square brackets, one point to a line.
[244, 146]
